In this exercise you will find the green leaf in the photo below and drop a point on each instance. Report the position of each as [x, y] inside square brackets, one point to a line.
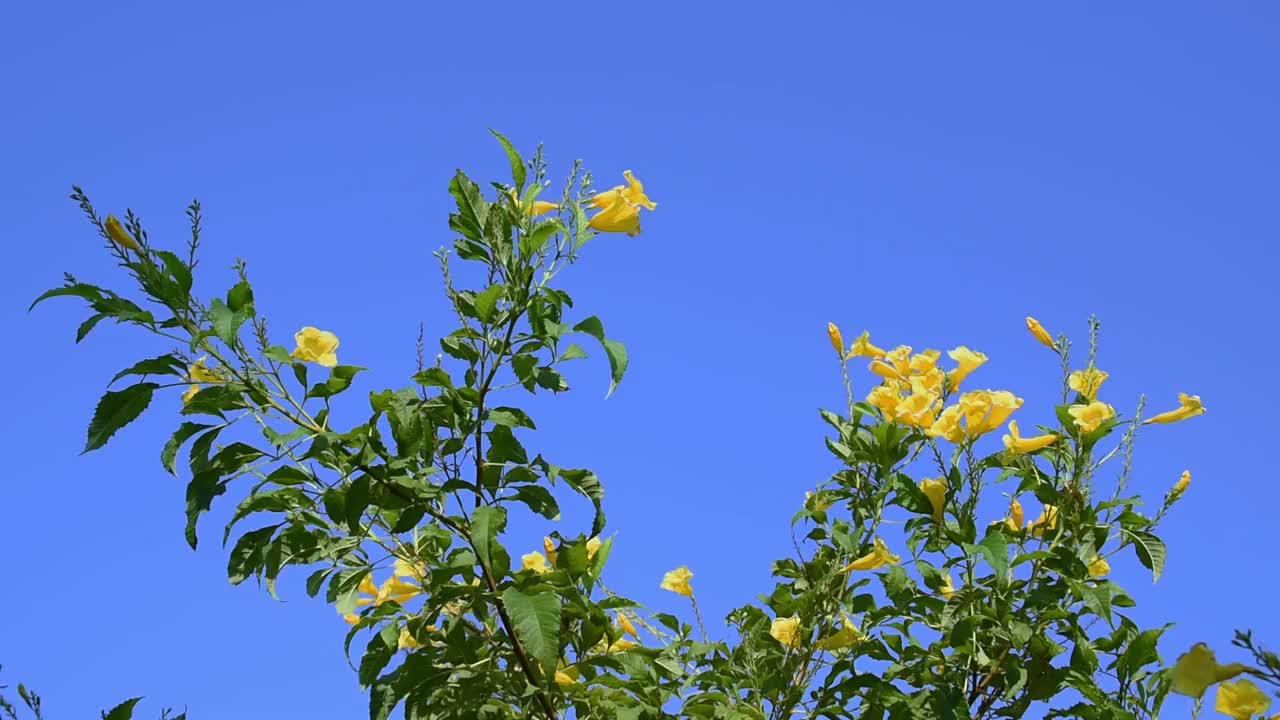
[340, 377]
[226, 322]
[537, 625]
[533, 242]
[279, 353]
[115, 410]
[434, 377]
[80, 290]
[170, 452]
[486, 524]
[572, 352]
[376, 656]
[201, 491]
[240, 299]
[616, 351]
[995, 548]
[89, 325]
[1151, 551]
[162, 365]
[539, 500]
[486, 303]
[123, 711]
[247, 555]
[509, 416]
[472, 208]
[586, 483]
[517, 164]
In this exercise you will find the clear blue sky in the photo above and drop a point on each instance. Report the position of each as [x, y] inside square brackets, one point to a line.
[932, 174]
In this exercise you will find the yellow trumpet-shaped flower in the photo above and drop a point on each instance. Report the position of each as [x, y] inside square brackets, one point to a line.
[1014, 442]
[947, 425]
[197, 372]
[986, 410]
[550, 547]
[877, 558]
[317, 346]
[368, 588]
[410, 570]
[1090, 417]
[885, 370]
[862, 347]
[1087, 381]
[885, 397]
[846, 636]
[395, 589]
[1013, 523]
[407, 641]
[936, 490]
[119, 235]
[928, 382]
[1241, 699]
[1048, 520]
[1189, 407]
[947, 589]
[837, 340]
[189, 393]
[620, 645]
[677, 581]
[538, 207]
[1198, 668]
[900, 359]
[534, 561]
[621, 217]
[1040, 333]
[351, 618]
[917, 410]
[923, 362]
[966, 362]
[786, 631]
[1099, 567]
[566, 675]
[632, 192]
[1181, 486]
[627, 628]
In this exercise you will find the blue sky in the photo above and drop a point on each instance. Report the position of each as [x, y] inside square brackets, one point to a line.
[932, 174]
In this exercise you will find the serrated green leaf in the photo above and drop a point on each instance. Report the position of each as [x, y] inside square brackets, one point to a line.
[487, 523]
[537, 625]
[162, 365]
[616, 351]
[517, 164]
[115, 410]
[123, 711]
[486, 303]
[1151, 551]
[170, 452]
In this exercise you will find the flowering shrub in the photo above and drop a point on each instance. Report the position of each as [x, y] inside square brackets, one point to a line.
[918, 588]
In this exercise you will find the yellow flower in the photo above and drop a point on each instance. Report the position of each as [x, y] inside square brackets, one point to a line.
[1089, 417]
[395, 589]
[1048, 520]
[535, 561]
[197, 372]
[351, 618]
[317, 346]
[627, 628]
[567, 675]
[844, 637]
[621, 645]
[1014, 521]
[1241, 699]
[1190, 407]
[1086, 382]
[538, 207]
[929, 382]
[1198, 668]
[189, 393]
[862, 346]
[947, 425]
[677, 581]
[407, 641]
[917, 410]
[884, 370]
[947, 589]
[967, 361]
[986, 410]
[593, 546]
[923, 362]
[1013, 442]
[936, 491]
[550, 547]
[885, 397]
[1041, 334]
[877, 558]
[367, 587]
[119, 235]
[632, 192]
[1181, 486]
[621, 217]
[1099, 567]
[837, 340]
[900, 359]
[786, 631]
[411, 570]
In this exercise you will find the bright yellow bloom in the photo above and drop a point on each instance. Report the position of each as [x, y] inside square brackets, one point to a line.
[844, 637]
[1014, 522]
[550, 547]
[621, 217]
[1013, 442]
[197, 372]
[1198, 668]
[395, 589]
[967, 361]
[368, 588]
[351, 618]
[119, 235]
[1048, 520]
[1241, 699]
[627, 628]
[410, 570]
[885, 397]
[947, 425]
[593, 546]
[986, 410]
[317, 346]
[1099, 567]
[189, 393]
[916, 410]
[877, 558]
[535, 561]
[1086, 382]
[621, 645]
[837, 340]
[936, 490]
[566, 675]
[407, 641]
[632, 192]
[1190, 407]
[677, 581]
[900, 359]
[1041, 334]
[862, 346]
[884, 370]
[948, 590]
[929, 382]
[786, 631]
[1089, 417]
[923, 362]
[538, 207]
[1181, 486]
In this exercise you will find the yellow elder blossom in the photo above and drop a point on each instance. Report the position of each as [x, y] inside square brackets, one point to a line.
[947, 589]
[677, 581]
[407, 641]
[1181, 486]
[549, 545]
[947, 425]
[197, 372]
[119, 235]
[916, 410]
[1014, 521]
[1241, 699]
[877, 558]
[1189, 407]
[538, 207]
[632, 192]
[621, 217]
[885, 397]
[411, 570]
[885, 370]
[1198, 668]
[189, 393]
[923, 362]
[1089, 417]
[351, 618]
[929, 382]
[984, 411]
[786, 631]
[936, 490]
[593, 546]
[862, 347]
[967, 361]
[1048, 520]
[837, 341]
[566, 675]
[1099, 567]
[317, 346]
[1086, 382]
[900, 359]
[1039, 332]
[844, 637]
[535, 561]
[1014, 442]
[627, 628]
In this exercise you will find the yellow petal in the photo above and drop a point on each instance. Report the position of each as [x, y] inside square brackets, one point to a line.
[862, 347]
[1189, 406]
[317, 346]
[967, 361]
[407, 641]
[877, 558]
[1086, 382]
[948, 590]
[1048, 520]
[550, 547]
[190, 393]
[1241, 699]
[534, 561]
[1090, 417]
[625, 623]
[1014, 442]
[634, 192]
[538, 207]
[936, 490]
[786, 631]
[1099, 567]
[621, 217]
[593, 546]
[837, 341]
[677, 581]
[846, 636]
[119, 235]
[1039, 332]
[1181, 486]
